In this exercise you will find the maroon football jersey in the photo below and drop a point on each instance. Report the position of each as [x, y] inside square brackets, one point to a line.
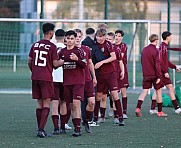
[73, 72]
[118, 58]
[150, 62]
[106, 48]
[43, 53]
[123, 48]
[87, 57]
[165, 63]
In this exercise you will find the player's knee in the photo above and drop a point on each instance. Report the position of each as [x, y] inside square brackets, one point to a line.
[91, 104]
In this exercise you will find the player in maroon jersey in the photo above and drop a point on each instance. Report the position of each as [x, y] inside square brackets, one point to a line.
[107, 79]
[110, 38]
[151, 75]
[124, 83]
[73, 78]
[165, 64]
[42, 58]
[90, 82]
[59, 107]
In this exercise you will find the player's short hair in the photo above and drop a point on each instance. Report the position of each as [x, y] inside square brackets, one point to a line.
[153, 37]
[71, 32]
[120, 31]
[90, 31]
[48, 27]
[111, 34]
[103, 26]
[78, 31]
[60, 33]
[165, 34]
[101, 32]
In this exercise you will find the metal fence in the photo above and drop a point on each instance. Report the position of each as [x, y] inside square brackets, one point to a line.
[15, 48]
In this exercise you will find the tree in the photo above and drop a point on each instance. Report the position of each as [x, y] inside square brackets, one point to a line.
[9, 8]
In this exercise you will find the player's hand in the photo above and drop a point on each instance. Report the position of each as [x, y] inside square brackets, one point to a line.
[61, 62]
[178, 69]
[99, 64]
[167, 75]
[158, 81]
[94, 81]
[73, 57]
[121, 75]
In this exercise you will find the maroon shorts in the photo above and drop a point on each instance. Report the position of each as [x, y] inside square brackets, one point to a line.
[148, 82]
[75, 91]
[58, 91]
[124, 82]
[166, 81]
[107, 82]
[42, 89]
[89, 89]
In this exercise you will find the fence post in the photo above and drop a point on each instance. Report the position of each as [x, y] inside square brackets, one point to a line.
[14, 63]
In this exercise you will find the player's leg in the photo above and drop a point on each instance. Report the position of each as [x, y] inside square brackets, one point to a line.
[76, 117]
[63, 115]
[110, 111]
[39, 111]
[118, 106]
[55, 107]
[103, 108]
[153, 103]
[88, 113]
[172, 97]
[97, 106]
[55, 116]
[140, 101]
[78, 95]
[44, 116]
[159, 102]
[124, 102]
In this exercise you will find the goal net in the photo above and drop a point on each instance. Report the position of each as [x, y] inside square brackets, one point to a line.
[17, 36]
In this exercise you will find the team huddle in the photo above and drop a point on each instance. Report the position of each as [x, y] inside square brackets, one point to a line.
[77, 75]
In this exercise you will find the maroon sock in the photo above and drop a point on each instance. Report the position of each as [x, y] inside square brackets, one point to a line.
[102, 111]
[159, 107]
[76, 123]
[153, 104]
[110, 102]
[63, 119]
[59, 108]
[139, 103]
[115, 114]
[88, 115]
[119, 108]
[175, 104]
[38, 116]
[44, 117]
[124, 103]
[68, 114]
[55, 119]
[96, 110]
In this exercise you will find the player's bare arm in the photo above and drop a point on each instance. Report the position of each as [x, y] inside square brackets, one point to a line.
[108, 60]
[30, 63]
[91, 67]
[58, 63]
[158, 81]
[122, 69]
[178, 69]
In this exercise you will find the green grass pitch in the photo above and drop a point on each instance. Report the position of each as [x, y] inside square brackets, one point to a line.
[18, 128]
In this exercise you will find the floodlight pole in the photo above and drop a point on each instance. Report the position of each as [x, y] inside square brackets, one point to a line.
[106, 9]
[168, 18]
[41, 17]
[168, 21]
